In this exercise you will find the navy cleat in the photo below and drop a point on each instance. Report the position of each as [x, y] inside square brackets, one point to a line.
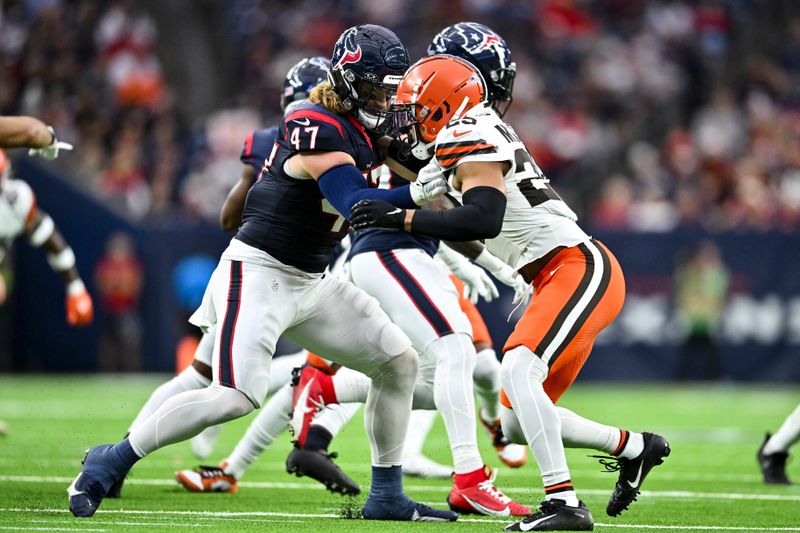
[632, 472]
[773, 465]
[556, 515]
[103, 466]
[402, 507]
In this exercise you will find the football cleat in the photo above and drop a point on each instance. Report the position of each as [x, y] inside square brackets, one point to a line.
[207, 479]
[409, 510]
[556, 515]
[421, 466]
[319, 465]
[513, 455]
[102, 467]
[484, 498]
[632, 472]
[773, 465]
[116, 489]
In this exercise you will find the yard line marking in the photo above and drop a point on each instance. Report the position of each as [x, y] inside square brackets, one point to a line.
[16, 528]
[428, 488]
[214, 514]
[112, 523]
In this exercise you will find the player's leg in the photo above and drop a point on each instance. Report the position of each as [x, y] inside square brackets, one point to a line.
[348, 326]
[415, 463]
[573, 302]
[250, 318]
[418, 295]
[486, 378]
[774, 452]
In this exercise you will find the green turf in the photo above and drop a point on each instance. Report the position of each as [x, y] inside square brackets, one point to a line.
[710, 482]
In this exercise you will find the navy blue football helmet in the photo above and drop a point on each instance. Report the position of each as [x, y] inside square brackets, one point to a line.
[302, 77]
[486, 50]
[367, 65]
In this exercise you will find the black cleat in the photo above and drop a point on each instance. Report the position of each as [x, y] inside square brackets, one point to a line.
[632, 472]
[556, 515]
[773, 466]
[318, 465]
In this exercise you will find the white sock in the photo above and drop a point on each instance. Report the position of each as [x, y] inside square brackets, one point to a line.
[188, 379]
[389, 406]
[351, 386]
[522, 374]
[580, 432]
[486, 377]
[186, 414]
[453, 392]
[334, 417]
[786, 436]
[419, 426]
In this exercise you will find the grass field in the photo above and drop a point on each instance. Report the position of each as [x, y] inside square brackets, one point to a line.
[710, 482]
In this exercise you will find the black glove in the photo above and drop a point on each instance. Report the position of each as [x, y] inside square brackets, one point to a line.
[376, 214]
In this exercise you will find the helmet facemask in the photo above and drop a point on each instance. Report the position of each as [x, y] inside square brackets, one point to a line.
[501, 87]
[369, 99]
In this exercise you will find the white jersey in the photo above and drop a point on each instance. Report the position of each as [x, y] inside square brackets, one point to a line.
[536, 219]
[17, 204]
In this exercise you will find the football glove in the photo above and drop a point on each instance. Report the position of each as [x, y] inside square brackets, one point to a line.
[477, 283]
[505, 274]
[429, 185]
[376, 214]
[80, 310]
[50, 151]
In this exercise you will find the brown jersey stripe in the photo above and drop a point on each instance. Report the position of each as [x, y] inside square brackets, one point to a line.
[450, 160]
[461, 150]
[589, 309]
[459, 143]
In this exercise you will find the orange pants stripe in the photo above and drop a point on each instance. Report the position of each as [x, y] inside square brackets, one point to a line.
[480, 333]
[577, 294]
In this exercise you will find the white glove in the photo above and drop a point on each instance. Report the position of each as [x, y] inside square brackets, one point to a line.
[477, 283]
[50, 151]
[430, 183]
[505, 274]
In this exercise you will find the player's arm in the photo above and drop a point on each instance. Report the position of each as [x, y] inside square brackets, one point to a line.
[30, 132]
[343, 185]
[230, 216]
[480, 216]
[22, 131]
[42, 233]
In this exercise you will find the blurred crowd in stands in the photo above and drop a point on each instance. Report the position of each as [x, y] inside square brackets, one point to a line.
[646, 115]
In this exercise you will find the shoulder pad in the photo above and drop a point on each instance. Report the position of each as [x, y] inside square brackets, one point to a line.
[459, 139]
[313, 128]
[258, 146]
[21, 198]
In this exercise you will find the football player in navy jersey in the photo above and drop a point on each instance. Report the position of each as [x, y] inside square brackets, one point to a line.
[269, 282]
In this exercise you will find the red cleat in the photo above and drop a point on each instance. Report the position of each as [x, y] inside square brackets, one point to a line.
[313, 389]
[484, 498]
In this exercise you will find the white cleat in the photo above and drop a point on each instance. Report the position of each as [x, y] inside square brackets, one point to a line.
[421, 466]
[514, 455]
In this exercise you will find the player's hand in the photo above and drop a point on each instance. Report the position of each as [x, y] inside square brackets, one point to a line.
[505, 274]
[80, 310]
[376, 214]
[430, 183]
[477, 283]
[51, 150]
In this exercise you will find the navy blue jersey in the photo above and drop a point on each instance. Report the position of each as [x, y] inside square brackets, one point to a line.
[257, 147]
[287, 217]
[383, 240]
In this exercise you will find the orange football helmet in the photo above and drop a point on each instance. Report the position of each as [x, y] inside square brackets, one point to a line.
[433, 91]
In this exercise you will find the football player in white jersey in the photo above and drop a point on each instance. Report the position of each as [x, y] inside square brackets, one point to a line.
[19, 214]
[442, 106]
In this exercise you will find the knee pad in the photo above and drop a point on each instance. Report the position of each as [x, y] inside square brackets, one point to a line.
[401, 370]
[233, 403]
[512, 429]
[522, 363]
[454, 349]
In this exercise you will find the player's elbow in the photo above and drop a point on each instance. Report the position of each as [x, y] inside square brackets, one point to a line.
[227, 222]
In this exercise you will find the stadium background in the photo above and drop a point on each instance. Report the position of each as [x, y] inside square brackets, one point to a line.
[663, 124]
